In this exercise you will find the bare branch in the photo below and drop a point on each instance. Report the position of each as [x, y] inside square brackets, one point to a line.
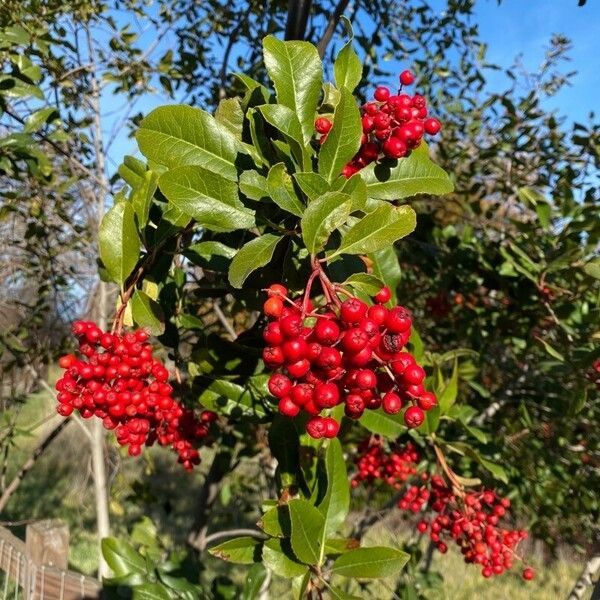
[334, 18]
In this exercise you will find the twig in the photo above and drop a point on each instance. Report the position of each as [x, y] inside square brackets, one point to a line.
[217, 535]
[334, 18]
[223, 319]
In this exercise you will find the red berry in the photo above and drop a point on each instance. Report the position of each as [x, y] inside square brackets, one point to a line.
[329, 358]
[323, 125]
[381, 94]
[427, 401]
[377, 314]
[367, 123]
[291, 325]
[298, 369]
[414, 375]
[394, 148]
[279, 385]
[276, 289]
[273, 307]
[407, 77]
[398, 320]
[316, 427]
[366, 379]
[331, 427]
[326, 395]
[294, 350]
[413, 417]
[392, 403]
[353, 310]
[272, 334]
[354, 340]
[326, 331]
[383, 295]
[67, 361]
[432, 126]
[273, 356]
[287, 408]
[302, 394]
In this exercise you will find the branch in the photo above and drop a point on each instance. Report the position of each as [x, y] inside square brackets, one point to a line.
[223, 319]
[334, 18]
[586, 578]
[30, 462]
[217, 535]
[297, 18]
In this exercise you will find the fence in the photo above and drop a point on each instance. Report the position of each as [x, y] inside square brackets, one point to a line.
[36, 569]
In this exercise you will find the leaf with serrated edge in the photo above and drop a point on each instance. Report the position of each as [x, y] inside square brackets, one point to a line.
[343, 141]
[322, 217]
[378, 229]
[251, 256]
[297, 73]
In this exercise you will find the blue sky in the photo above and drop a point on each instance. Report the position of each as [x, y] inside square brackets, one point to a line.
[515, 27]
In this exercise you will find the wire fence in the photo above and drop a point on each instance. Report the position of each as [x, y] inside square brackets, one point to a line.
[28, 571]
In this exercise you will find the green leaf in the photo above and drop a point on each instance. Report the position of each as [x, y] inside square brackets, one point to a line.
[337, 546]
[121, 557]
[214, 256]
[242, 550]
[276, 522]
[370, 563]
[308, 528]
[339, 594]
[550, 350]
[208, 197]
[118, 241]
[230, 114]
[415, 174]
[496, 470]
[286, 121]
[336, 503]
[365, 283]
[281, 190]
[251, 256]
[228, 398]
[147, 313]
[382, 423]
[299, 585]
[387, 268]
[182, 135]
[150, 591]
[297, 73]
[347, 67]
[593, 268]
[357, 188]
[142, 196]
[284, 444]
[277, 556]
[312, 184]
[343, 141]
[253, 185]
[378, 230]
[448, 396]
[35, 120]
[254, 580]
[322, 217]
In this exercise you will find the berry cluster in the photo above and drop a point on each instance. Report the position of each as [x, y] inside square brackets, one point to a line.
[118, 380]
[393, 125]
[374, 463]
[344, 353]
[594, 373]
[470, 519]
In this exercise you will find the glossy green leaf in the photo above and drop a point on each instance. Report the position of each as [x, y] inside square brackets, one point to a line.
[336, 503]
[254, 580]
[357, 188]
[370, 563]
[118, 241]
[284, 444]
[277, 556]
[282, 192]
[322, 217]
[251, 256]
[415, 174]
[142, 195]
[380, 422]
[253, 185]
[312, 184]
[377, 230]
[230, 114]
[182, 135]
[337, 546]
[343, 141]
[365, 282]
[37, 119]
[122, 558]
[228, 398]
[242, 550]
[276, 522]
[347, 67]
[308, 527]
[208, 197]
[147, 313]
[448, 395]
[387, 268]
[296, 72]
[150, 591]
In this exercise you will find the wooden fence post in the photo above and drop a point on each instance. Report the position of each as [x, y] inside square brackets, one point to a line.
[47, 544]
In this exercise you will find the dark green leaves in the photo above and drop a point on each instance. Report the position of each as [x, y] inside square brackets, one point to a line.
[415, 174]
[378, 229]
[208, 197]
[118, 241]
[281, 190]
[343, 141]
[181, 135]
[296, 72]
[243, 550]
[253, 255]
[122, 558]
[336, 503]
[370, 563]
[323, 216]
[147, 313]
[308, 527]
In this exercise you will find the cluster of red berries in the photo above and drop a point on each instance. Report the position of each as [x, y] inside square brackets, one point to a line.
[375, 464]
[393, 125]
[594, 373]
[351, 354]
[118, 380]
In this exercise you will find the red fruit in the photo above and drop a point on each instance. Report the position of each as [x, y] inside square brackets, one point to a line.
[352, 310]
[294, 350]
[313, 351]
[422, 526]
[366, 379]
[407, 77]
[432, 126]
[360, 359]
[354, 340]
[398, 320]
[367, 124]
[302, 394]
[355, 406]
[64, 410]
[326, 331]
[369, 151]
[279, 385]
[291, 325]
[394, 148]
[427, 401]
[414, 391]
[329, 358]
[383, 295]
[273, 356]
[298, 369]
[413, 417]
[414, 375]
[331, 427]
[272, 334]
[287, 407]
[392, 403]
[528, 574]
[316, 427]
[276, 289]
[67, 361]
[381, 94]
[326, 395]
[323, 125]
[273, 307]
[311, 408]
[378, 314]
[400, 362]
